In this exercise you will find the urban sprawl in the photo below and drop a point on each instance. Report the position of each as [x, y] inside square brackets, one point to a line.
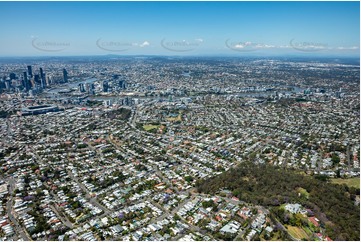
[112, 148]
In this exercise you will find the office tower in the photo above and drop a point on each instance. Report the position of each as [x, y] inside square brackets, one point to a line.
[122, 84]
[37, 80]
[87, 87]
[43, 78]
[25, 81]
[81, 87]
[65, 75]
[2, 84]
[25, 76]
[48, 80]
[12, 76]
[7, 84]
[127, 101]
[43, 82]
[23, 84]
[105, 86]
[91, 89]
[30, 71]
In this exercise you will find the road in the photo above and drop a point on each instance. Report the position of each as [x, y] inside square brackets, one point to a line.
[133, 118]
[63, 218]
[92, 200]
[19, 230]
[280, 225]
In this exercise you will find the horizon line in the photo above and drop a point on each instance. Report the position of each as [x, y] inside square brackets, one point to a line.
[194, 55]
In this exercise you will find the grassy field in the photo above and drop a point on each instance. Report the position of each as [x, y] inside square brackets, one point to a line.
[148, 127]
[351, 182]
[297, 232]
[173, 119]
[308, 231]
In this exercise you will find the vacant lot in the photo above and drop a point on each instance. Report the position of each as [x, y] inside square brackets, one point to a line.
[148, 127]
[297, 233]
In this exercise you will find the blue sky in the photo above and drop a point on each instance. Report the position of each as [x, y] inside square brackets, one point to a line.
[179, 28]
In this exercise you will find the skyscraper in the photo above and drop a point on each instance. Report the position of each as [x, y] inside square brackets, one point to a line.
[43, 82]
[7, 84]
[65, 75]
[105, 86]
[12, 76]
[122, 84]
[91, 89]
[42, 77]
[26, 82]
[30, 71]
[37, 80]
[81, 87]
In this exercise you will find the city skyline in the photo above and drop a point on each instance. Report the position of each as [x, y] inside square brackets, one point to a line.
[180, 28]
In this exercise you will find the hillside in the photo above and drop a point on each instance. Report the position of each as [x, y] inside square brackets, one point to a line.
[270, 186]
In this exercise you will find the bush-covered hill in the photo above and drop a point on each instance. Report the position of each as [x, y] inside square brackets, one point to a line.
[272, 186]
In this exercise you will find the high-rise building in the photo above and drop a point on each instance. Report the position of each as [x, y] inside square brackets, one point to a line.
[91, 89]
[122, 84]
[25, 76]
[81, 87]
[65, 75]
[30, 71]
[126, 101]
[43, 78]
[105, 86]
[2, 84]
[48, 80]
[26, 83]
[41, 72]
[37, 80]
[7, 84]
[12, 76]
[87, 87]
[43, 83]
[25, 79]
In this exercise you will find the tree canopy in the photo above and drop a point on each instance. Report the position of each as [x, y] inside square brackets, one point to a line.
[272, 186]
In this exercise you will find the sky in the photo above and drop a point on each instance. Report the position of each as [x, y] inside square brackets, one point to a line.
[179, 28]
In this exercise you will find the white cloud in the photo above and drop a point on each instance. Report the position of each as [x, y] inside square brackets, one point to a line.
[145, 43]
[239, 46]
[249, 44]
[315, 47]
[348, 48]
[199, 40]
[269, 46]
